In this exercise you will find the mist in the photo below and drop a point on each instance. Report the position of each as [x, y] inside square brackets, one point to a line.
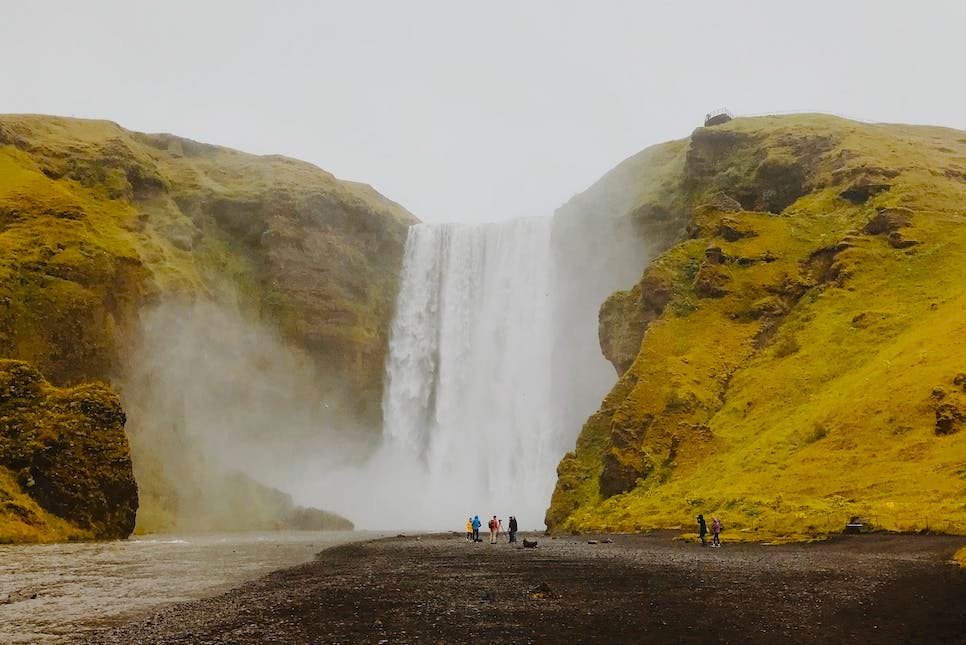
[220, 406]
[494, 365]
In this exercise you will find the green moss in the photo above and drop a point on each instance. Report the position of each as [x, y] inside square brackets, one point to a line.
[96, 222]
[789, 371]
[68, 449]
[960, 557]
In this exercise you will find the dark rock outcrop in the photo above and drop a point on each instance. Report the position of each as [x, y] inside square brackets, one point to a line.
[69, 449]
[888, 220]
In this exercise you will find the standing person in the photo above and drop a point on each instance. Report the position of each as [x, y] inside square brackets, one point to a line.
[494, 529]
[476, 528]
[469, 529]
[715, 532]
[513, 528]
[702, 529]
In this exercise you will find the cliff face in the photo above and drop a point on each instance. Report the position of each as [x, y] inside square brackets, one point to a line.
[794, 357]
[97, 223]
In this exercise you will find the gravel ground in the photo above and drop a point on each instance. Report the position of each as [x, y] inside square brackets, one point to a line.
[636, 589]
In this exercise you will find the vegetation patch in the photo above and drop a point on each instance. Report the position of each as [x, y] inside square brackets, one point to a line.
[804, 369]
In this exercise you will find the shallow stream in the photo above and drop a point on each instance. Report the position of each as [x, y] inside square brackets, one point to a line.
[55, 592]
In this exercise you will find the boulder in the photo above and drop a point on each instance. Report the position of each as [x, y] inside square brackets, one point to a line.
[887, 220]
[710, 281]
[897, 241]
[69, 449]
[948, 418]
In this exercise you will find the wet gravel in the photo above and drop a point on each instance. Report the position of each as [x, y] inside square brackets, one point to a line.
[636, 589]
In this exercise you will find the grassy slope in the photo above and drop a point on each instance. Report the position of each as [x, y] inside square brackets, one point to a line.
[96, 222]
[795, 380]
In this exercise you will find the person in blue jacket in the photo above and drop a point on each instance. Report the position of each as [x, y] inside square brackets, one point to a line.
[476, 528]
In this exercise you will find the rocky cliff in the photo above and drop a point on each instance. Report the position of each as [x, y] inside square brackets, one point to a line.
[793, 357]
[97, 223]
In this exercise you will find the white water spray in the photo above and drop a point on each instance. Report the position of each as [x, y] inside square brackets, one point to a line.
[493, 367]
[468, 392]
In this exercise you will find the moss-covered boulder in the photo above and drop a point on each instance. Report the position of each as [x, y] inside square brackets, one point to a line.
[68, 453]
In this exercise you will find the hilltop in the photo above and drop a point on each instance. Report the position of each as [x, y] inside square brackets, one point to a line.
[793, 355]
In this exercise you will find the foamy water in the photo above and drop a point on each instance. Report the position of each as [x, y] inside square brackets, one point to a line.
[52, 592]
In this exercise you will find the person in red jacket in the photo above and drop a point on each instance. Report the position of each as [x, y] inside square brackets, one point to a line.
[494, 529]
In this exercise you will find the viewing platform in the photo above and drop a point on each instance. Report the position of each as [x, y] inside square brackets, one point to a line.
[717, 117]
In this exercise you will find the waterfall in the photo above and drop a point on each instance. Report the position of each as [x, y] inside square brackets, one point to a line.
[468, 390]
[493, 367]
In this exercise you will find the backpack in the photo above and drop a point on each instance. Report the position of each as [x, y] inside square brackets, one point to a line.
[490, 525]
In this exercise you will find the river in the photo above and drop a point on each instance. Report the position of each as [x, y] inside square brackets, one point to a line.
[55, 592]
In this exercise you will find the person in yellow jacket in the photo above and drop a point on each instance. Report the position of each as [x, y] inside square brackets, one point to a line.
[469, 529]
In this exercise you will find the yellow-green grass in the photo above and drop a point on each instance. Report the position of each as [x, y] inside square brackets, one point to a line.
[832, 414]
[23, 520]
[960, 557]
[97, 222]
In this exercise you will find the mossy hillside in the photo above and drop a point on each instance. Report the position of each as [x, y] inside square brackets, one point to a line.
[804, 360]
[960, 557]
[65, 465]
[97, 222]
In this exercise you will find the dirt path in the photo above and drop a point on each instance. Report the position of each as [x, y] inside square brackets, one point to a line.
[638, 589]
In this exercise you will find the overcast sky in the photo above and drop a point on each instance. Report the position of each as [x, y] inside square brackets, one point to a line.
[475, 111]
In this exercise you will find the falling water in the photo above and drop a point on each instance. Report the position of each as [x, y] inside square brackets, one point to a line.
[469, 389]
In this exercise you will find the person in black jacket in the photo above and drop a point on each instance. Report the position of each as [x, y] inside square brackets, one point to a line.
[513, 529]
[702, 529]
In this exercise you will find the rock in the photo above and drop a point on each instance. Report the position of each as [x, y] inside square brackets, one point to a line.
[887, 220]
[710, 281]
[625, 315]
[591, 541]
[305, 518]
[960, 379]
[722, 202]
[69, 450]
[622, 469]
[529, 544]
[948, 418]
[731, 230]
[861, 191]
[714, 255]
[768, 307]
[897, 241]
[780, 180]
[542, 591]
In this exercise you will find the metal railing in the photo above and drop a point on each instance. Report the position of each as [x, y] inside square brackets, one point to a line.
[717, 113]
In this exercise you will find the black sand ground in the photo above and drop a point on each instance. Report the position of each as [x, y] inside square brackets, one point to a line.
[638, 589]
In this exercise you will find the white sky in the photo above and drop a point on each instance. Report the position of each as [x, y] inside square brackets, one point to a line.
[475, 111]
